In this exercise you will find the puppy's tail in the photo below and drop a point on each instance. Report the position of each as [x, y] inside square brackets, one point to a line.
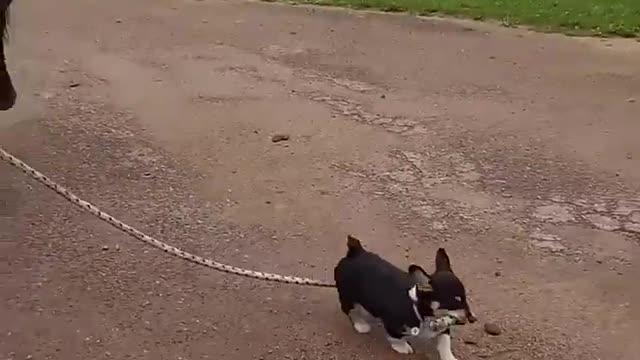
[354, 246]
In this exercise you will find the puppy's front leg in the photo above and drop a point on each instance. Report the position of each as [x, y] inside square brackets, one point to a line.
[397, 341]
[400, 345]
[444, 346]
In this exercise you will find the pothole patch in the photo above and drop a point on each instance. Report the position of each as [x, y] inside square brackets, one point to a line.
[632, 227]
[603, 222]
[547, 242]
[627, 207]
[554, 213]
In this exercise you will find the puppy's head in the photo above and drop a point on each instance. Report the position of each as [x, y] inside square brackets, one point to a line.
[441, 293]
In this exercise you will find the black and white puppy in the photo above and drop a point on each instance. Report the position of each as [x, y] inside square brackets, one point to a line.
[405, 301]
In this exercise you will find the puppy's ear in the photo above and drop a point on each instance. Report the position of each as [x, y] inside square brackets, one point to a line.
[354, 246]
[353, 243]
[420, 277]
[442, 261]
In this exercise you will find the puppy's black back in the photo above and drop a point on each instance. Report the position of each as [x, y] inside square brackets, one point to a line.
[381, 288]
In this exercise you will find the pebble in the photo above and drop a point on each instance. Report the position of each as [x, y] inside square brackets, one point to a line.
[497, 273]
[279, 137]
[492, 329]
[105, 247]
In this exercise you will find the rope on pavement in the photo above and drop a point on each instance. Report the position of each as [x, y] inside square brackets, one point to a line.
[152, 241]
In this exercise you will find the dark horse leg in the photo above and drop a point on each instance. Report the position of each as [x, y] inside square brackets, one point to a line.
[7, 91]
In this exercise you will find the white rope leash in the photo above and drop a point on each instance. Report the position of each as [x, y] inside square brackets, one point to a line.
[436, 325]
[152, 241]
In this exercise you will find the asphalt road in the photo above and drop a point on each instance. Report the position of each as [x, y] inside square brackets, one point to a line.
[518, 152]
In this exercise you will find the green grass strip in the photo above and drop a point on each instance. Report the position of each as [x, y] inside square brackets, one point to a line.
[579, 17]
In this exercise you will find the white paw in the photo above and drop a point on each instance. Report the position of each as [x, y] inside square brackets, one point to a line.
[401, 347]
[361, 326]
